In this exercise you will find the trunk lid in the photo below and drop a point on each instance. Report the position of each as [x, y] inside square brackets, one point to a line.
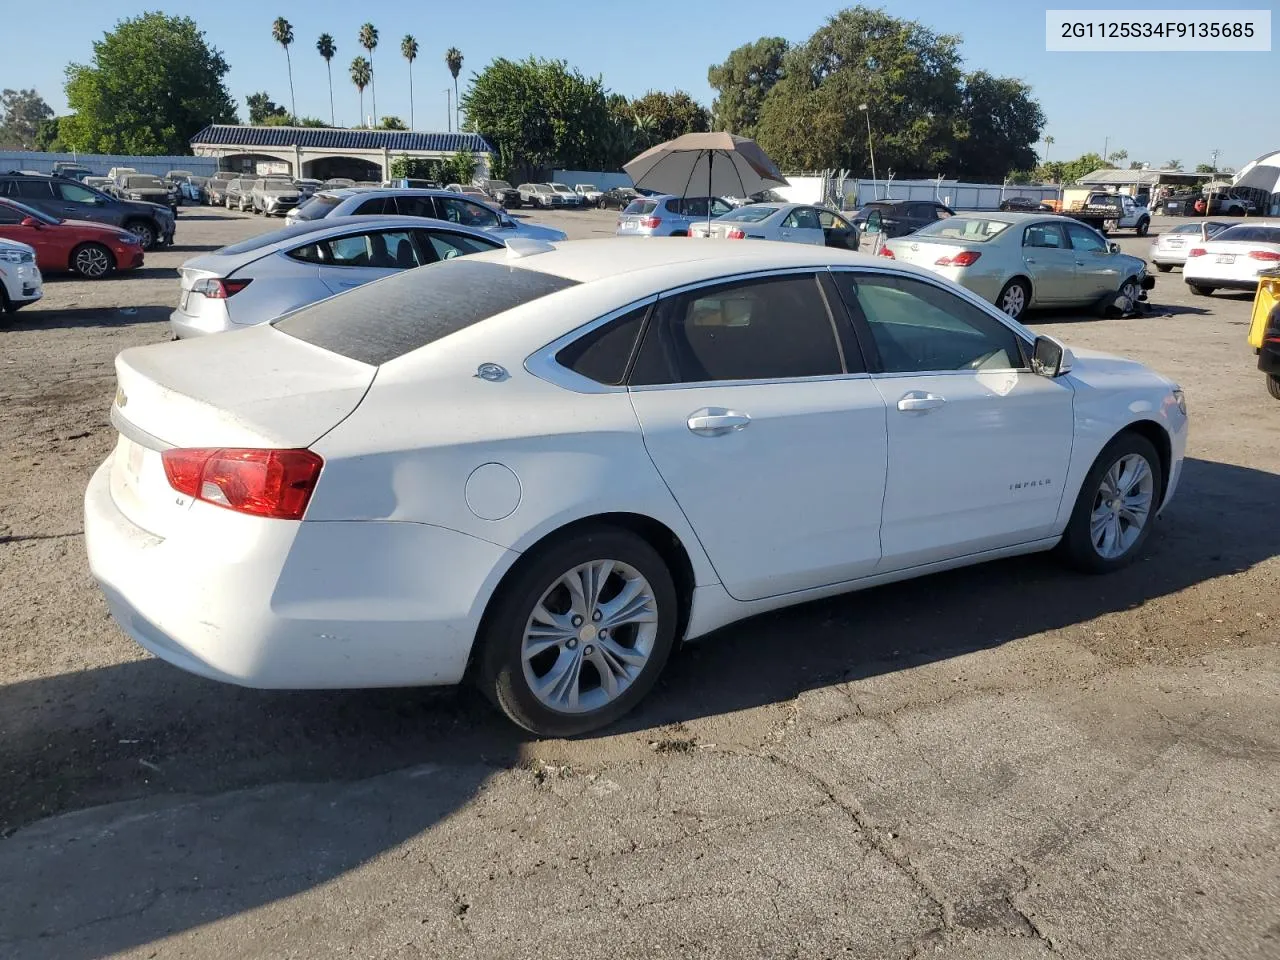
[924, 253]
[254, 388]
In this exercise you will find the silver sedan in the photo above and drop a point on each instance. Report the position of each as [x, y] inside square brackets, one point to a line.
[1170, 248]
[789, 222]
[1020, 261]
[269, 275]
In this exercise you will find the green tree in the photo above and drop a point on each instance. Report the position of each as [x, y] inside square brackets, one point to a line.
[743, 81]
[262, 109]
[1135, 164]
[369, 40]
[49, 137]
[310, 122]
[1118, 157]
[361, 74]
[996, 128]
[327, 49]
[419, 168]
[1048, 142]
[539, 113]
[279, 120]
[1205, 168]
[1173, 164]
[392, 123]
[672, 114]
[153, 83]
[409, 50]
[282, 33]
[460, 168]
[1072, 170]
[22, 114]
[453, 60]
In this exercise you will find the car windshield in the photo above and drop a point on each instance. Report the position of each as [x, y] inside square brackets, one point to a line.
[30, 211]
[641, 206]
[1244, 234]
[560, 188]
[197, 181]
[749, 214]
[280, 186]
[966, 229]
[388, 318]
[499, 185]
[143, 183]
[318, 206]
[587, 188]
[871, 208]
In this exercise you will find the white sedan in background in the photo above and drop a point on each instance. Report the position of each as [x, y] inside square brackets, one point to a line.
[790, 222]
[1170, 248]
[20, 280]
[1233, 258]
[542, 467]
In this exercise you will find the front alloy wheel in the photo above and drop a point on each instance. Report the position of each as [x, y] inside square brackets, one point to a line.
[92, 261]
[1116, 507]
[145, 233]
[579, 632]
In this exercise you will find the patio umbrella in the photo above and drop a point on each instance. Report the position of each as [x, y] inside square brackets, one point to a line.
[724, 163]
[1261, 174]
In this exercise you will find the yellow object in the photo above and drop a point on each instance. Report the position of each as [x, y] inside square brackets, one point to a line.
[1267, 297]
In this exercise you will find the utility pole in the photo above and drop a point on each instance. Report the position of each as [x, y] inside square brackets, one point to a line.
[871, 148]
[448, 99]
[1106, 142]
[1215, 153]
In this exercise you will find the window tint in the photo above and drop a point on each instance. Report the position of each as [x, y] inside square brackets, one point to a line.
[920, 328]
[10, 214]
[641, 207]
[384, 249]
[756, 330]
[833, 221]
[375, 207]
[415, 207]
[380, 321]
[1250, 234]
[469, 214]
[1082, 238]
[75, 193]
[1045, 235]
[803, 218]
[32, 189]
[446, 246]
[604, 354]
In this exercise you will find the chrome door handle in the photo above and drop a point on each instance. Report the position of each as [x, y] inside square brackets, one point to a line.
[1079, 263]
[716, 421]
[1030, 259]
[919, 402]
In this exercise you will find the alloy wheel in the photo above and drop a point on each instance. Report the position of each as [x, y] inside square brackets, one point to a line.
[92, 262]
[146, 236]
[1014, 301]
[589, 636]
[1122, 506]
[1129, 296]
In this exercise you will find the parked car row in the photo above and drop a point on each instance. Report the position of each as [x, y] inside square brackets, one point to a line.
[62, 198]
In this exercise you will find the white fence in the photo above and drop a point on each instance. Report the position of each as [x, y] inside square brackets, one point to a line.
[603, 181]
[101, 163]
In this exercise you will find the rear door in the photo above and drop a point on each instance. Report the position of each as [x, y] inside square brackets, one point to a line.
[358, 257]
[760, 418]
[1050, 262]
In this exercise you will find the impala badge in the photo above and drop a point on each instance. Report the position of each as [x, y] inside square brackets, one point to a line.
[1023, 485]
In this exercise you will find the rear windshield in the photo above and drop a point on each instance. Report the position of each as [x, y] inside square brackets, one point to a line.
[1250, 235]
[270, 239]
[144, 183]
[641, 207]
[749, 214]
[388, 318]
[318, 206]
[966, 229]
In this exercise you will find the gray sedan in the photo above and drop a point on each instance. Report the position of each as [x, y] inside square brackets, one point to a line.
[266, 276]
[789, 222]
[1020, 261]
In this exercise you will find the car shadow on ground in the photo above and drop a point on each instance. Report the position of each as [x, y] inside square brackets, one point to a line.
[194, 248]
[35, 318]
[143, 729]
[200, 216]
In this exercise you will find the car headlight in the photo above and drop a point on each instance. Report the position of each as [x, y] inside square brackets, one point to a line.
[17, 256]
[128, 239]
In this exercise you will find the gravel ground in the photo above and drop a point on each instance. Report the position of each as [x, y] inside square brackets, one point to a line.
[1007, 761]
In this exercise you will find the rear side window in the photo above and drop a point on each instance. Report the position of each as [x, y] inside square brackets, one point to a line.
[604, 354]
[317, 207]
[381, 321]
[376, 207]
[1250, 235]
[32, 189]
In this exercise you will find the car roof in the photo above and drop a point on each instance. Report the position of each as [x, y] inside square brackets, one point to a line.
[345, 192]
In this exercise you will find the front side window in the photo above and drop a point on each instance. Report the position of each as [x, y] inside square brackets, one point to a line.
[466, 213]
[764, 329]
[1049, 235]
[1086, 240]
[917, 327]
[74, 193]
[803, 218]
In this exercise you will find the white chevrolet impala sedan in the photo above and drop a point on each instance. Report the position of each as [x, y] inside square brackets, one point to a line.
[542, 467]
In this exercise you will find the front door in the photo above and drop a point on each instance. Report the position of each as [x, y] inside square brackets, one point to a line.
[978, 445]
[768, 433]
[1050, 262]
[1097, 267]
[802, 226]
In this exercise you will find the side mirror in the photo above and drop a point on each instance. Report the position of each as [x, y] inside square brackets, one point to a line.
[31, 222]
[1113, 247]
[1050, 358]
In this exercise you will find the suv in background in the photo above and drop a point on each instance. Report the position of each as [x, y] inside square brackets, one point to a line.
[897, 218]
[539, 195]
[571, 198]
[273, 196]
[589, 194]
[215, 187]
[501, 192]
[72, 171]
[144, 186]
[664, 216]
[66, 199]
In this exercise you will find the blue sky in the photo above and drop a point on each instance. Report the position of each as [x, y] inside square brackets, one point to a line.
[1157, 106]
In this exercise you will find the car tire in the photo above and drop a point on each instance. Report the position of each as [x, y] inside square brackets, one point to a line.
[1143, 226]
[6, 305]
[1164, 267]
[1014, 297]
[144, 231]
[1085, 543]
[1130, 290]
[92, 261]
[1273, 385]
[510, 665]
[1200, 290]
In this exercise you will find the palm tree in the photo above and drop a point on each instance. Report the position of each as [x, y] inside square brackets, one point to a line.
[1048, 142]
[282, 31]
[1173, 165]
[361, 74]
[369, 40]
[326, 48]
[1118, 156]
[409, 50]
[453, 57]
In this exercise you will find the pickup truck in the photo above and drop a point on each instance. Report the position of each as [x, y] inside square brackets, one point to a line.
[1109, 211]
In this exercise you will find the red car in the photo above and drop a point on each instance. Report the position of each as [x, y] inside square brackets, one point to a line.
[91, 250]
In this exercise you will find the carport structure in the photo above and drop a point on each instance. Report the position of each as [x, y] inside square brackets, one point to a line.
[324, 152]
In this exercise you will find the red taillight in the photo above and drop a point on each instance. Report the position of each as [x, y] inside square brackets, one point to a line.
[964, 258]
[1268, 255]
[886, 252]
[733, 233]
[650, 223]
[1196, 252]
[264, 483]
[217, 288]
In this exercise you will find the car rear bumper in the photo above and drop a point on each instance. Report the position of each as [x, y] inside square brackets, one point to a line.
[1224, 283]
[293, 605]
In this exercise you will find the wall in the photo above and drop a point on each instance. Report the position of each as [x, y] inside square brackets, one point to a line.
[955, 194]
[603, 181]
[101, 163]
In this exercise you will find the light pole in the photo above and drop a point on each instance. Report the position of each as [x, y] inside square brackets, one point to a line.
[871, 149]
